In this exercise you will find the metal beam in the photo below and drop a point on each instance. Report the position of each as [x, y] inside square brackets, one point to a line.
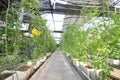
[57, 38]
[66, 8]
[58, 31]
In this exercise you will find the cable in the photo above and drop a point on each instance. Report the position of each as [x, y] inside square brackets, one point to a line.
[51, 9]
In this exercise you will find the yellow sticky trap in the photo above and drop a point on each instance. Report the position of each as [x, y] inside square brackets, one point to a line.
[35, 32]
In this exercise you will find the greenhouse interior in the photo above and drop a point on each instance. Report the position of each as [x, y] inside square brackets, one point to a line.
[59, 39]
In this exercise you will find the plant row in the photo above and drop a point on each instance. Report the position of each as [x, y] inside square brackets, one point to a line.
[18, 45]
[94, 43]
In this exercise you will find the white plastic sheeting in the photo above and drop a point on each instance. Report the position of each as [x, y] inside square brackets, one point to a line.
[97, 21]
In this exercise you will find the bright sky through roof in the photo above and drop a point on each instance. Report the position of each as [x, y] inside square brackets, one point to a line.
[55, 24]
[55, 21]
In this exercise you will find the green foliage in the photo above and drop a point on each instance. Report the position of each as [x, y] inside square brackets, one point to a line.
[74, 42]
[44, 42]
[114, 42]
[14, 44]
[79, 44]
[29, 5]
[98, 43]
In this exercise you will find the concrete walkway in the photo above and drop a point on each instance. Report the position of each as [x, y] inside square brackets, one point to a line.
[56, 68]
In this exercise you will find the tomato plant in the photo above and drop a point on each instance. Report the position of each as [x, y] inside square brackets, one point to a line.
[97, 42]
[14, 45]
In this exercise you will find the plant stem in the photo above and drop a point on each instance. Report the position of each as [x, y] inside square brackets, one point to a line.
[6, 44]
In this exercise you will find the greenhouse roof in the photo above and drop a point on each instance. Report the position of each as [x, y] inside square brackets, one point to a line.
[60, 13]
[66, 6]
[55, 24]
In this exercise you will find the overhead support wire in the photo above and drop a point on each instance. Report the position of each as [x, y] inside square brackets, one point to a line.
[51, 9]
